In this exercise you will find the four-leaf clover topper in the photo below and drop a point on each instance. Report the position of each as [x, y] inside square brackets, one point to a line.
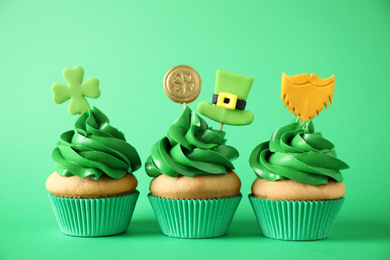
[76, 90]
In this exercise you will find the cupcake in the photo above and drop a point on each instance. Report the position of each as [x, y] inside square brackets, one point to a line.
[93, 191]
[299, 189]
[195, 192]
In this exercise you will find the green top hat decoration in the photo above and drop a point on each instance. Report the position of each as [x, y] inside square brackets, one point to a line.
[229, 100]
[76, 90]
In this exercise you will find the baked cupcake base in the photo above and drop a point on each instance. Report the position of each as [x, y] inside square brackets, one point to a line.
[194, 218]
[296, 220]
[91, 217]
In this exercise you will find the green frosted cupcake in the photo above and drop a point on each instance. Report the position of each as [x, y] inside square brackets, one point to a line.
[299, 190]
[194, 193]
[93, 191]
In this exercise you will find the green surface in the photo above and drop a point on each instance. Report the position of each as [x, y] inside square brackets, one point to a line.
[129, 47]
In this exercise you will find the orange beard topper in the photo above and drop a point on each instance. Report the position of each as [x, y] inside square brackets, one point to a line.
[306, 94]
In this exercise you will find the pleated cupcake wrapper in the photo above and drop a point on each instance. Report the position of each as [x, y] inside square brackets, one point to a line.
[94, 216]
[188, 218]
[296, 220]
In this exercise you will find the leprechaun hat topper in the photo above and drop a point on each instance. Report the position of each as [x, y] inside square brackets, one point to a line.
[229, 100]
[306, 95]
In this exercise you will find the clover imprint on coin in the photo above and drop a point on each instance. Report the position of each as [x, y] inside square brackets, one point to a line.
[182, 84]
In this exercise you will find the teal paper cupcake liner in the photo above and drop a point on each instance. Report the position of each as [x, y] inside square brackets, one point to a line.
[92, 217]
[188, 218]
[296, 220]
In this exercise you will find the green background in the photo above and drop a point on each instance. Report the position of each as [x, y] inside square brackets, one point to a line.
[129, 46]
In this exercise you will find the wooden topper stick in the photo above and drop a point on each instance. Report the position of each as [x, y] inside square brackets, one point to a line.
[221, 127]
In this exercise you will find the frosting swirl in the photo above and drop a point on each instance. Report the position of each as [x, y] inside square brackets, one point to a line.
[298, 153]
[190, 148]
[94, 148]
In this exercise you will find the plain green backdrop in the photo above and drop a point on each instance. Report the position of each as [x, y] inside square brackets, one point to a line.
[128, 46]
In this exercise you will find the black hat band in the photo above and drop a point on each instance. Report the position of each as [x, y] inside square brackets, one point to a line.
[239, 105]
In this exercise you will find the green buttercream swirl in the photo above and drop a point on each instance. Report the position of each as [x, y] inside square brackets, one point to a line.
[191, 148]
[298, 153]
[94, 148]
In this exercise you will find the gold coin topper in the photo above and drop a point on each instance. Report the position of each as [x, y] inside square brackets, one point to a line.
[182, 84]
[306, 94]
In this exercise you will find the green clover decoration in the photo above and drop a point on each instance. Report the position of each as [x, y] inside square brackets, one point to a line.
[76, 90]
